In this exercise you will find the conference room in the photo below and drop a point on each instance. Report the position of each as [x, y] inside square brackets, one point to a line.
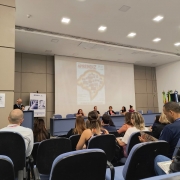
[61, 56]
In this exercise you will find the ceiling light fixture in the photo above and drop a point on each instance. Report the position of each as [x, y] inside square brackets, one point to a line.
[177, 44]
[102, 28]
[131, 34]
[158, 18]
[65, 20]
[55, 40]
[156, 39]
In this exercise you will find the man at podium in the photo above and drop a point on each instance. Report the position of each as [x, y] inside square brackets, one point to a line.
[18, 104]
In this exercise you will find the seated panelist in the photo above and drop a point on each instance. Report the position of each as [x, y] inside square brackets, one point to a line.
[110, 112]
[95, 109]
[80, 113]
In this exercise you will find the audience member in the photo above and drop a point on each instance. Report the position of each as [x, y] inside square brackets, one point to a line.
[110, 112]
[131, 109]
[93, 129]
[40, 131]
[15, 120]
[127, 123]
[171, 132]
[123, 110]
[79, 127]
[18, 104]
[159, 124]
[106, 123]
[80, 113]
[95, 109]
[138, 125]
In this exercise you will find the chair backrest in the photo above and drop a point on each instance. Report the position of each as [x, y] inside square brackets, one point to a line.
[70, 115]
[12, 145]
[117, 112]
[6, 168]
[88, 164]
[106, 143]
[149, 111]
[34, 151]
[58, 116]
[140, 162]
[140, 111]
[177, 147]
[115, 133]
[133, 140]
[48, 150]
[74, 140]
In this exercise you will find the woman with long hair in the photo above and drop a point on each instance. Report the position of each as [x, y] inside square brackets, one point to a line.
[80, 113]
[123, 110]
[79, 127]
[127, 124]
[94, 128]
[40, 131]
[137, 121]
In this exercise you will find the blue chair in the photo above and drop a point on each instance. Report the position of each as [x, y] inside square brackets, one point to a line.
[70, 116]
[173, 176]
[88, 164]
[108, 144]
[12, 145]
[140, 162]
[57, 116]
[6, 168]
[74, 140]
[48, 150]
[140, 111]
[133, 140]
[117, 112]
[149, 112]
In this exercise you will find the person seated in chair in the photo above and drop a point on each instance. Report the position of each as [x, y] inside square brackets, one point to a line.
[131, 109]
[127, 123]
[80, 113]
[171, 132]
[123, 110]
[137, 121]
[111, 112]
[94, 128]
[40, 131]
[15, 120]
[106, 123]
[79, 127]
[95, 109]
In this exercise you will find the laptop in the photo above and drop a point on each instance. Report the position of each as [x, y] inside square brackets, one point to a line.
[165, 166]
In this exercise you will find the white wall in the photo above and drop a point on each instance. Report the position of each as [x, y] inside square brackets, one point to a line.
[167, 79]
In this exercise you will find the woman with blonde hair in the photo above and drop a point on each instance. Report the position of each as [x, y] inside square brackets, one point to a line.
[79, 127]
[158, 125]
[138, 125]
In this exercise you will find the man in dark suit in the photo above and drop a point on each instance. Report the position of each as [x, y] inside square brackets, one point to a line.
[18, 104]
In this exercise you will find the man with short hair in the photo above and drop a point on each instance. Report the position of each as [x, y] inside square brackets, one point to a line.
[171, 132]
[105, 124]
[15, 120]
[18, 104]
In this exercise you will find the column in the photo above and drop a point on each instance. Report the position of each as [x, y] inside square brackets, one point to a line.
[7, 57]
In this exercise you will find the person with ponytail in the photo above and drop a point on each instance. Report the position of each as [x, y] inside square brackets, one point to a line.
[40, 131]
[94, 128]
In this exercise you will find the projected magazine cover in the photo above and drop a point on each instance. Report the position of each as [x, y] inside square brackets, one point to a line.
[90, 84]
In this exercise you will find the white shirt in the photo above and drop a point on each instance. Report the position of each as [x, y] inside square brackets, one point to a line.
[26, 133]
[130, 131]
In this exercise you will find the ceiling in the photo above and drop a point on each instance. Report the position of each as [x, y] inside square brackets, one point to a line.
[80, 38]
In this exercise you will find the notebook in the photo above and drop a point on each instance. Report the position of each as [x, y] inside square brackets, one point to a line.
[165, 166]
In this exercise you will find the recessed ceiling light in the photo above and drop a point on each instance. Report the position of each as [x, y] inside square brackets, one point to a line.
[156, 39]
[124, 8]
[158, 18]
[131, 34]
[102, 28]
[65, 20]
[177, 44]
